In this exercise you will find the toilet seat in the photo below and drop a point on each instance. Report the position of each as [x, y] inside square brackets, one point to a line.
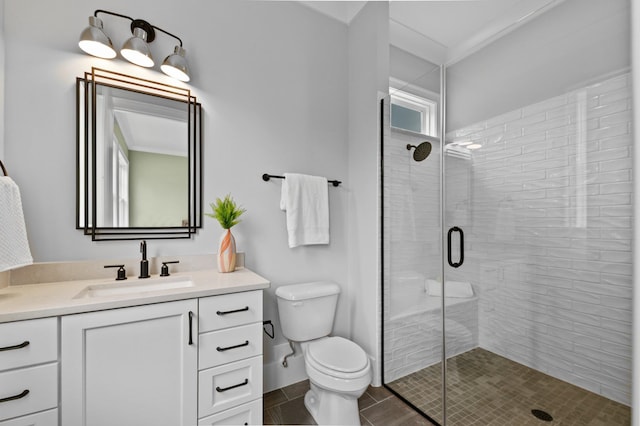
[338, 357]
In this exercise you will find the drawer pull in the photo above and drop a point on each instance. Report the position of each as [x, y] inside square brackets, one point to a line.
[246, 308]
[14, 397]
[219, 349]
[190, 328]
[219, 389]
[20, 346]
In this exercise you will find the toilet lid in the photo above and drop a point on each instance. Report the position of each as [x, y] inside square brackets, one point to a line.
[338, 354]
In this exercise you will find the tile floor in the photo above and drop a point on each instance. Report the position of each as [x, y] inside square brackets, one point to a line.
[378, 407]
[484, 389]
[487, 389]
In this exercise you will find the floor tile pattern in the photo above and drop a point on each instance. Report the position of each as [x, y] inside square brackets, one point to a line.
[487, 389]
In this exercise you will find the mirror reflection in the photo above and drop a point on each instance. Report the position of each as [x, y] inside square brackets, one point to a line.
[141, 160]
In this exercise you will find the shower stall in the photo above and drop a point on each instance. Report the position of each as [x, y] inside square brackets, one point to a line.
[507, 221]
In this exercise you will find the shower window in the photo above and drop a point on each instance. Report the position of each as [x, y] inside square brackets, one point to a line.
[413, 113]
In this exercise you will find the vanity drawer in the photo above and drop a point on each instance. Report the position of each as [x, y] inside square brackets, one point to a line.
[228, 345]
[24, 343]
[229, 385]
[230, 310]
[40, 381]
[45, 418]
[246, 414]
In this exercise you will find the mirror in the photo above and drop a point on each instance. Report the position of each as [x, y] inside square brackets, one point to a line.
[138, 158]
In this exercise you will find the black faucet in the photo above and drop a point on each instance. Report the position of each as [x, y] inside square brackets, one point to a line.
[144, 263]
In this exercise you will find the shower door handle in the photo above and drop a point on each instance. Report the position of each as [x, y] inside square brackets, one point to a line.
[461, 260]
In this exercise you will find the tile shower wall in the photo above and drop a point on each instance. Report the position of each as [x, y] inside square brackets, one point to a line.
[411, 208]
[415, 340]
[546, 208]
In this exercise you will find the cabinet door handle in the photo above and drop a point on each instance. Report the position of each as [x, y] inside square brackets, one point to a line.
[14, 397]
[219, 389]
[20, 346]
[246, 308]
[190, 328]
[219, 349]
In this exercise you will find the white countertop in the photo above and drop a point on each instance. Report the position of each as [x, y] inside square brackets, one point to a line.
[29, 301]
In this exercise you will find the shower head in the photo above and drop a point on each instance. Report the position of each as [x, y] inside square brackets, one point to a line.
[422, 151]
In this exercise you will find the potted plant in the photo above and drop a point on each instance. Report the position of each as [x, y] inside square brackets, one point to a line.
[227, 213]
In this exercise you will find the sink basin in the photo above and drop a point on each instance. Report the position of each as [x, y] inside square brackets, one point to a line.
[135, 286]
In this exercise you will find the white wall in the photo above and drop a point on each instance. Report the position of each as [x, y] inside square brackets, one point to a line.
[272, 78]
[368, 76]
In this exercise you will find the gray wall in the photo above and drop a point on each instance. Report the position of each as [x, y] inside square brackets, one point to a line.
[413, 70]
[272, 79]
[368, 43]
[566, 47]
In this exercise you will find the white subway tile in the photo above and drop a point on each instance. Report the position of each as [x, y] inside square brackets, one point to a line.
[608, 154]
[616, 118]
[619, 164]
[608, 132]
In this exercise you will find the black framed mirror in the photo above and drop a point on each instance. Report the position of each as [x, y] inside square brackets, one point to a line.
[139, 159]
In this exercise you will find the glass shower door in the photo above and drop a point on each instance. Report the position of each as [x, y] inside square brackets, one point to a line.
[537, 223]
[412, 253]
[507, 263]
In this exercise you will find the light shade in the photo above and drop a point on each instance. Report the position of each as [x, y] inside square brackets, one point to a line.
[136, 50]
[175, 65]
[95, 42]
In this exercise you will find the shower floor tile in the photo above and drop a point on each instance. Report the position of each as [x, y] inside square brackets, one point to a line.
[488, 389]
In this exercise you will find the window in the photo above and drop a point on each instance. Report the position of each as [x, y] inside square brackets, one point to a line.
[120, 186]
[414, 113]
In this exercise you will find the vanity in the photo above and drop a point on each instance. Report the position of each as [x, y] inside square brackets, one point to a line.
[179, 350]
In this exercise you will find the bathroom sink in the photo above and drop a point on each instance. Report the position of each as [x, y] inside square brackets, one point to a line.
[134, 286]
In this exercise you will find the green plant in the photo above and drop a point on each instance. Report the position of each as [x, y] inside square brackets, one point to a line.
[226, 212]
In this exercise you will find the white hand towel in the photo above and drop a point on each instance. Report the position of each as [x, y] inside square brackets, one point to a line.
[306, 200]
[460, 289]
[14, 246]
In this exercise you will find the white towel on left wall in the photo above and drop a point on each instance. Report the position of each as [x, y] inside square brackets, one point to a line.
[14, 246]
[305, 199]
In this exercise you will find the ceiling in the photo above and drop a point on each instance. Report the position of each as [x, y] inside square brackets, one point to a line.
[444, 31]
[153, 134]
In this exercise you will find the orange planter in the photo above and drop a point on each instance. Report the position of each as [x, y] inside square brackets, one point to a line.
[227, 252]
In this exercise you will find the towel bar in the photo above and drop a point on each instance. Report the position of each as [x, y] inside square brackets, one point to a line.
[266, 177]
[3, 169]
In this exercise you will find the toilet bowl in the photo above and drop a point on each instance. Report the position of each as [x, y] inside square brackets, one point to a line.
[339, 370]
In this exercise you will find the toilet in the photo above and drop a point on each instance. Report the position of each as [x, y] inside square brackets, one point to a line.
[339, 370]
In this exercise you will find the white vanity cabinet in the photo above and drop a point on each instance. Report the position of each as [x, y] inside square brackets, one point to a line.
[131, 366]
[230, 359]
[195, 361]
[29, 372]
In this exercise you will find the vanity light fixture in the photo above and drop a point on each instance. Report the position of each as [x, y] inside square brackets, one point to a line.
[95, 42]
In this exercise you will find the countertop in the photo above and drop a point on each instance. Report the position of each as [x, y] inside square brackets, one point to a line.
[29, 301]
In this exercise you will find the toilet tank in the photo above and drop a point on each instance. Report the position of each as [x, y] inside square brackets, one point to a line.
[307, 310]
